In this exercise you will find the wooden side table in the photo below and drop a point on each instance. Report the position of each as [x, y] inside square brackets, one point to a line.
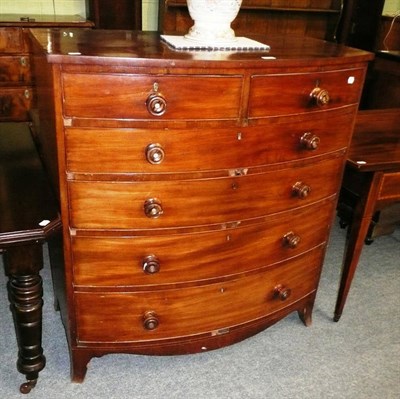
[29, 216]
[373, 175]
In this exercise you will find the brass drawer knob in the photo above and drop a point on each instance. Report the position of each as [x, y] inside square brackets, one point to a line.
[156, 103]
[153, 208]
[155, 153]
[150, 320]
[309, 141]
[281, 292]
[301, 190]
[151, 264]
[291, 240]
[320, 97]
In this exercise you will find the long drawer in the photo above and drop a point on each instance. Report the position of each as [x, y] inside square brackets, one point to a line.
[176, 203]
[174, 150]
[15, 103]
[212, 308]
[115, 96]
[286, 94]
[15, 70]
[183, 258]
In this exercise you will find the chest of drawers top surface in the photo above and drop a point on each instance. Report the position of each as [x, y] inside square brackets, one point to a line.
[132, 48]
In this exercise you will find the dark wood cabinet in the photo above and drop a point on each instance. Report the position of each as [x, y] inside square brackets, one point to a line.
[17, 94]
[120, 14]
[314, 18]
[360, 23]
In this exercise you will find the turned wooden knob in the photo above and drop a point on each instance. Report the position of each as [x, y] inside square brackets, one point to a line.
[155, 153]
[320, 97]
[291, 240]
[156, 103]
[301, 190]
[151, 264]
[150, 320]
[153, 208]
[281, 292]
[309, 141]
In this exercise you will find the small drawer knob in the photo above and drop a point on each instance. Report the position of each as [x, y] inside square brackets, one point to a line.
[156, 103]
[309, 141]
[281, 292]
[320, 97]
[291, 240]
[150, 320]
[153, 208]
[151, 264]
[155, 153]
[301, 190]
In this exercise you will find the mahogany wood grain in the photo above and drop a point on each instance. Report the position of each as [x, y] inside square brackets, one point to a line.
[236, 214]
[86, 152]
[106, 261]
[202, 309]
[296, 97]
[120, 205]
[122, 96]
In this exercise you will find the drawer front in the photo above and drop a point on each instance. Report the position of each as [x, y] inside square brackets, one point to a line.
[214, 308]
[15, 70]
[390, 187]
[11, 40]
[162, 204]
[151, 97]
[15, 104]
[273, 95]
[182, 258]
[173, 150]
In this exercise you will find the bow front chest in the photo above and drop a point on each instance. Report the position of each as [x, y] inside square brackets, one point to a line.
[197, 188]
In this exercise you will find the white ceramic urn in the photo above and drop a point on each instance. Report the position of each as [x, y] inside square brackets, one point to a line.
[212, 20]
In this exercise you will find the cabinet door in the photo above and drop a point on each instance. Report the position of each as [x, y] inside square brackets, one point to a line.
[123, 14]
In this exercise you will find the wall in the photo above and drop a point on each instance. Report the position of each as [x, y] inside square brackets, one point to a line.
[61, 7]
[150, 14]
[71, 7]
[391, 7]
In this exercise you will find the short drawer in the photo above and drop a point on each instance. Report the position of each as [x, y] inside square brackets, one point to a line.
[214, 308]
[15, 103]
[12, 40]
[176, 203]
[181, 150]
[285, 94]
[143, 97]
[181, 258]
[15, 70]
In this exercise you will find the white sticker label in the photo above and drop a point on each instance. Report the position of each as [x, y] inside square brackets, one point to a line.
[44, 223]
[351, 80]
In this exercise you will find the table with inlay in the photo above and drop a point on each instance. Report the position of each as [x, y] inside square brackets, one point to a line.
[373, 175]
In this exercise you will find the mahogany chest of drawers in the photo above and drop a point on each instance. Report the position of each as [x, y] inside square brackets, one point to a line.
[197, 188]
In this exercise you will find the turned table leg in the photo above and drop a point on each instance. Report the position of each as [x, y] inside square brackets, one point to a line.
[22, 265]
